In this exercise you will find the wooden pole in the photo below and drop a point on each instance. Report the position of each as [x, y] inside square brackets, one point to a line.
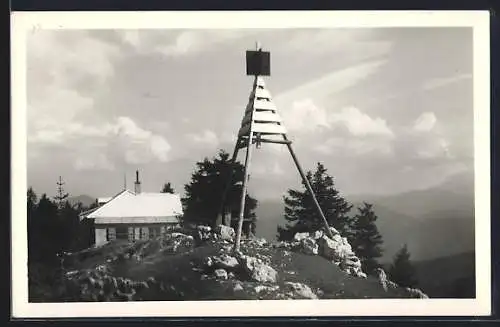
[248, 157]
[220, 215]
[309, 188]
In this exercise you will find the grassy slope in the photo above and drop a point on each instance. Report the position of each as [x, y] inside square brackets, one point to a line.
[182, 282]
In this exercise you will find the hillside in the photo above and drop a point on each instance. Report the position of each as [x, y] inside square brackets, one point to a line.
[437, 234]
[452, 277]
[179, 266]
[436, 222]
[446, 277]
[85, 200]
[270, 215]
[433, 235]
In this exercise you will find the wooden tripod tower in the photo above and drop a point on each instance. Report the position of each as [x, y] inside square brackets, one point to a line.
[261, 124]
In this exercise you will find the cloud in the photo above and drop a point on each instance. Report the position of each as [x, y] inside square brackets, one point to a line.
[205, 138]
[96, 146]
[425, 122]
[358, 123]
[306, 116]
[47, 136]
[179, 42]
[331, 83]
[140, 145]
[426, 138]
[268, 168]
[66, 72]
[435, 148]
[423, 141]
[321, 40]
[348, 147]
[98, 162]
[441, 82]
[67, 57]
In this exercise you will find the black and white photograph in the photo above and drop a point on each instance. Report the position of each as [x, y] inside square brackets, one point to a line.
[213, 164]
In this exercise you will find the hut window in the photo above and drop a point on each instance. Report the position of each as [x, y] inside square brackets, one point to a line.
[154, 231]
[110, 234]
[122, 233]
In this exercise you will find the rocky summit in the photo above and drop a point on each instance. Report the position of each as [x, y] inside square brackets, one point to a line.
[200, 264]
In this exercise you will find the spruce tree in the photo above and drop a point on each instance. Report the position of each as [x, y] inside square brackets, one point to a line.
[301, 213]
[202, 202]
[167, 188]
[402, 271]
[61, 196]
[32, 201]
[365, 239]
[46, 231]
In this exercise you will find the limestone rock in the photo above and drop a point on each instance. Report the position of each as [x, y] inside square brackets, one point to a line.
[334, 249]
[203, 233]
[225, 261]
[309, 246]
[416, 293]
[260, 288]
[334, 231]
[266, 288]
[352, 262]
[300, 290]
[258, 271]
[282, 245]
[220, 274]
[299, 236]
[238, 287]
[361, 274]
[208, 262]
[225, 232]
[317, 234]
[384, 281]
[206, 229]
[258, 242]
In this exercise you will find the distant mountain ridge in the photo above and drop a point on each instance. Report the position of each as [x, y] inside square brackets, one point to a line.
[446, 277]
[85, 200]
[452, 276]
[437, 222]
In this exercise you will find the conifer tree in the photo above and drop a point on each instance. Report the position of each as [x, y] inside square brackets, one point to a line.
[61, 196]
[32, 201]
[301, 213]
[204, 193]
[46, 230]
[365, 239]
[167, 188]
[402, 271]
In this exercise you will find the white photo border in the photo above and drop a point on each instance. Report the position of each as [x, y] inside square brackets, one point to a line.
[23, 23]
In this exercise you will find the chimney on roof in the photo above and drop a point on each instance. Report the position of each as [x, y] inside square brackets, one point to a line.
[137, 185]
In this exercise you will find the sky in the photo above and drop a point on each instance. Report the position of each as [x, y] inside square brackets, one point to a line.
[386, 110]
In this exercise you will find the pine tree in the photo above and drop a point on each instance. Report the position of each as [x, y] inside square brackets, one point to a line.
[69, 224]
[32, 201]
[61, 195]
[167, 188]
[402, 271]
[33, 232]
[365, 239]
[301, 213]
[46, 231]
[202, 202]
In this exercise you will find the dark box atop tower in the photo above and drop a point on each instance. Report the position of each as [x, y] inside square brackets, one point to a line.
[258, 63]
